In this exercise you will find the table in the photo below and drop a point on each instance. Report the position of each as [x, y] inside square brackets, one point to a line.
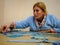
[4, 39]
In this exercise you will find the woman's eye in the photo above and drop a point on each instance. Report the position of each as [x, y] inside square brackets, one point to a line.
[36, 10]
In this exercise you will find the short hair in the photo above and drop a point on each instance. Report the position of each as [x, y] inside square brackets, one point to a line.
[41, 5]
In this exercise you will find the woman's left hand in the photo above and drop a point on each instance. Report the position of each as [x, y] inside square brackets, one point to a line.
[47, 31]
[52, 31]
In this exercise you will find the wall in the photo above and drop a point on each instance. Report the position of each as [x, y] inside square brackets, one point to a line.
[20, 9]
[1, 11]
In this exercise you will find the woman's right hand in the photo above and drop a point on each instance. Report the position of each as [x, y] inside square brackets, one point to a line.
[5, 28]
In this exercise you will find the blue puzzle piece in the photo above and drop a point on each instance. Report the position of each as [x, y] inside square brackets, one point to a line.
[56, 42]
[39, 36]
[14, 36]
[41, 44]
[25, 41]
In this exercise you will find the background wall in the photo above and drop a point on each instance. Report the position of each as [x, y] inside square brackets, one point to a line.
[1, 11]
[13, 10]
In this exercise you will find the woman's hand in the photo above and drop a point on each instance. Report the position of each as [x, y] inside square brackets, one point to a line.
[52, 31]
[5, 28]
[12, 26]
[47, 31]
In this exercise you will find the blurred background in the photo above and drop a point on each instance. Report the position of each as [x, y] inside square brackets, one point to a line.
[14, 10]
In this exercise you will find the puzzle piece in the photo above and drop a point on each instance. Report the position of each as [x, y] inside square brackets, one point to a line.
[33, 41]
[41, 44]
[56, 42]
[39, 36]
[19, 34]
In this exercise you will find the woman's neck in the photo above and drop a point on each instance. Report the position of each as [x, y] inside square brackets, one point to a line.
[40, 19]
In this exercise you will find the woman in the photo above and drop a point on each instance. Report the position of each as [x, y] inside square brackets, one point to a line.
[41, 21]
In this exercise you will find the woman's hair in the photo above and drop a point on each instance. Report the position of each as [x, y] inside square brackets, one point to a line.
[41, 5]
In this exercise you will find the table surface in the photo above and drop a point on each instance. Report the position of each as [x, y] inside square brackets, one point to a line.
[4, 39]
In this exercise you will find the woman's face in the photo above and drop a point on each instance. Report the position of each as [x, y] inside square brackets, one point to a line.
[38, 13]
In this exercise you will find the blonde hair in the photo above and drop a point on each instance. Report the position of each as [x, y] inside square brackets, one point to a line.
[41, 5]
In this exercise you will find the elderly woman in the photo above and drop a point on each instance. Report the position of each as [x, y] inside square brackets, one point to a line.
[41, 21]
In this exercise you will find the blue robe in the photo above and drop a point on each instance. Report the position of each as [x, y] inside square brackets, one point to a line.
[50, 22]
